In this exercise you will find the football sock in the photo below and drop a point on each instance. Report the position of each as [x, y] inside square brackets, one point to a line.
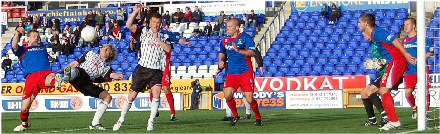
[151, 96]
[232, 106]
[254, 106]
[388, 105]
[368, 107]
[170, 100]
[411, 101]
[124, 111]
[376, 102]
[428, 100]
[154, 107]
[102, 107]
[247, 106]
[228, 110]
[24, 117]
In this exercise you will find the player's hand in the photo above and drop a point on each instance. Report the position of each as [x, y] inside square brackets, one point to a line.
[138, 8]
[235, 47]
[262, 70]
[20, 30]
[117, 76]
[187, 43]
[410, 58]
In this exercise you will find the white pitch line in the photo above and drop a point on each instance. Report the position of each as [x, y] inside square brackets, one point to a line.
[70, 130]
[65, 130]
[415, 130]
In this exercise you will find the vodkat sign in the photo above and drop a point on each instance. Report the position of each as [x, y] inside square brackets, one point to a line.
[310, 83]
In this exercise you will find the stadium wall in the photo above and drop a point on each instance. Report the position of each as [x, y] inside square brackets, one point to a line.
[310, 6]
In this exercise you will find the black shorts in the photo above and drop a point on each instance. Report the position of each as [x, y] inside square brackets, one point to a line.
[85, 85]
[143, 77]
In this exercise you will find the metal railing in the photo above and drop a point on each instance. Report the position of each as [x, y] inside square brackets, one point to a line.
[274, 28]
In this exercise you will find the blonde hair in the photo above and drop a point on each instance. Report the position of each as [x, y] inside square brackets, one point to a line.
[113, 54]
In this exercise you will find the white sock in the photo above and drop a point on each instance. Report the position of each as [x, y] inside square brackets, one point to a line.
[124, 111]
[154, 108]
[247, 106]
[228, 110]
[102, 107]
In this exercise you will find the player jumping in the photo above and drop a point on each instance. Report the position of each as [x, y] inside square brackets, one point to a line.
[37, 71]
[155, 44]
[93, 67]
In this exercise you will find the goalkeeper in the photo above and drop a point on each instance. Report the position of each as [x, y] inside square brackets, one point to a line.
[381, 58]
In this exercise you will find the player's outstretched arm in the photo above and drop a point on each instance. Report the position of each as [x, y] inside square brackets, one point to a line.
[74, 64]
[17, 38]
[405, 53]
[137, 9]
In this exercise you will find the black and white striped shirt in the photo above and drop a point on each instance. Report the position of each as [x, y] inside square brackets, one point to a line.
[94, 66]
[152, 55]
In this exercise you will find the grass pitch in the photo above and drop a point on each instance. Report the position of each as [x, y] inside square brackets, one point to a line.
[202, 121]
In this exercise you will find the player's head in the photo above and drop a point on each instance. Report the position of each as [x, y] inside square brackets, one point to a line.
[108, 53]
[34, 38]
[367, 20]
[155, 22]
[233, 26]
[410, 25]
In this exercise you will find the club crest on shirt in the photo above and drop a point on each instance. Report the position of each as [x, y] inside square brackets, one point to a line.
[240, 42]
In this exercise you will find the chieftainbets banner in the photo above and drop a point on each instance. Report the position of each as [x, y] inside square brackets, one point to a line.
[310, 83]
[67, 15]
[265, 100]
[71, 103]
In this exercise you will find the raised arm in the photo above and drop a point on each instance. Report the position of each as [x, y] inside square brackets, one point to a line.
[17, 38]
[130, 25]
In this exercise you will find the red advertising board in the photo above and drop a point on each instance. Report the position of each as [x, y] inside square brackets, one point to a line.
[310, 83]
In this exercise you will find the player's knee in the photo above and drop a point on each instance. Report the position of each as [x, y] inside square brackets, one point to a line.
[408, 92]
[383, 90]
[249, 100]
[108, 98]
[25, 110]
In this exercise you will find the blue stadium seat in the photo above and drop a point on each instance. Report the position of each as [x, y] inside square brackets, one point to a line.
[317, 67]
[336, 73]
[305, 52]
[293, 51]
[322, 59]
[333, 59]
[299, 59]
[284, 68]
[331, 43]
[349, 51]
[327, 51]
[344, 59]
[301, 73]
[315, 51]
